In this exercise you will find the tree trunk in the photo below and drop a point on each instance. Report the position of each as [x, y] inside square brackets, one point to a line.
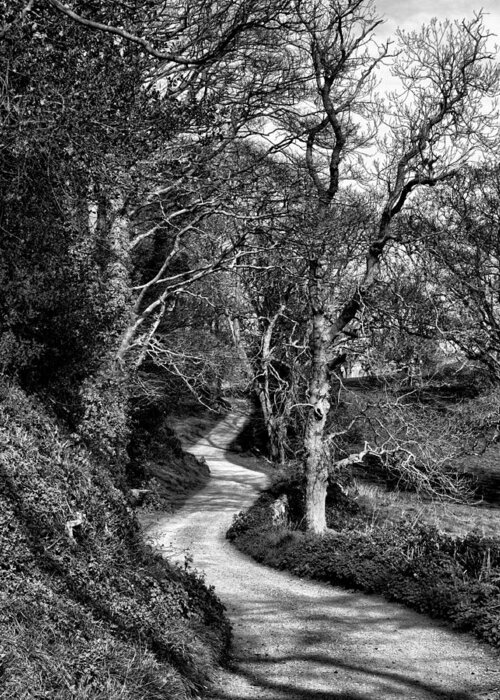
[274, 420]
[280, 440]
[126, 341]
[276, 431]
[319, 395]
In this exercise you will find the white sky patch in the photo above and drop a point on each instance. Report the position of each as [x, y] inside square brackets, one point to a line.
[412, 14]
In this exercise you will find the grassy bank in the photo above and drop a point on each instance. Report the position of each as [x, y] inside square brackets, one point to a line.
[87, 611]
[456, 579]
[158, 463]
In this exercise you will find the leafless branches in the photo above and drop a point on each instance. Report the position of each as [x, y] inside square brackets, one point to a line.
[415, 446]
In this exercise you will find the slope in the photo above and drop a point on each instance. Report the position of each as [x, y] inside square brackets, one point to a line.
[86, 610]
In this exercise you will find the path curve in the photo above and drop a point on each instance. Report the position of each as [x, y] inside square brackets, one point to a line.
[297, 639]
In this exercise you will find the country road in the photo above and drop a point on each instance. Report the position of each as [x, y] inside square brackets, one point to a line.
[297, 639]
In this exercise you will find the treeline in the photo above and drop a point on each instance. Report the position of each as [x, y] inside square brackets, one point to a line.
[198, 194]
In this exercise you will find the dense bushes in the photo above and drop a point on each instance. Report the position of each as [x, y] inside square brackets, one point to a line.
[87, 611]
[456, 579]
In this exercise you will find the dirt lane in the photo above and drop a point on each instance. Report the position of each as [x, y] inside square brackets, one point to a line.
[296, 639]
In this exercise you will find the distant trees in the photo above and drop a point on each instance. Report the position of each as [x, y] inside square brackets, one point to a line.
[459, 229]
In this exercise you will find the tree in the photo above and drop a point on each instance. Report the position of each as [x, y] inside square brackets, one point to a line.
[202, 59]
[66, 139]
[436, 125]
[75, 118]
[133, 190]
[161, 180]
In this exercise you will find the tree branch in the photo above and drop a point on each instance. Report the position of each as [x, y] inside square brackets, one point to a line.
[118, 31]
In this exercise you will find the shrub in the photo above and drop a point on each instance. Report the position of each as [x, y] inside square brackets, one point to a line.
[104, 420]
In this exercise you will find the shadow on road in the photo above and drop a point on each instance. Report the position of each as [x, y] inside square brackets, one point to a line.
[303, 640]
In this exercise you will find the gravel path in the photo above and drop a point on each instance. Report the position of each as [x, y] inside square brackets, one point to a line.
[296, 639]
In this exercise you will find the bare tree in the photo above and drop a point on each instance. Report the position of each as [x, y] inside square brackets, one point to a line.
[439, 121]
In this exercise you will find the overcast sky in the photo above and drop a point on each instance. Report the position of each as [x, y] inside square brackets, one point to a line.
[411, 14]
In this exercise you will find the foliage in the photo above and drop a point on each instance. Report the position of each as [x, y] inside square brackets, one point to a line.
[87, 609]
[454, 578]
[71, 108]
[104, 421]
[157, 462]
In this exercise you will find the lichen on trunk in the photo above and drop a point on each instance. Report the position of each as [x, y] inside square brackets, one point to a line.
[316, 466]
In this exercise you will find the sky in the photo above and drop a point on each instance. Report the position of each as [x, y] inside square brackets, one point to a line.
[411, 14]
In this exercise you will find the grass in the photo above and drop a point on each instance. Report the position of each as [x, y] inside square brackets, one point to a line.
[95, 614]
[382, 504]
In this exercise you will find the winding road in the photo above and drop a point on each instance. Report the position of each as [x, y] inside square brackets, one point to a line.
[297, 639]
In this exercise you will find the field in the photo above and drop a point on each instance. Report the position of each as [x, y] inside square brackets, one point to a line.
[446, 403]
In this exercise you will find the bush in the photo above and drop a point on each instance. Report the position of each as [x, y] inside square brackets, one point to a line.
[455, 579]
[104, 420]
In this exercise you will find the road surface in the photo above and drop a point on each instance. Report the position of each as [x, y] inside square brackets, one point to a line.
[297, 639]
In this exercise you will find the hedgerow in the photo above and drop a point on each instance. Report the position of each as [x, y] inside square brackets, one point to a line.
[451, 578]
[86, 609]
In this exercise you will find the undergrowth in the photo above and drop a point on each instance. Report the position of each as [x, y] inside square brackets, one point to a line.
[88, 611]
[456, 579]
[157, 462]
